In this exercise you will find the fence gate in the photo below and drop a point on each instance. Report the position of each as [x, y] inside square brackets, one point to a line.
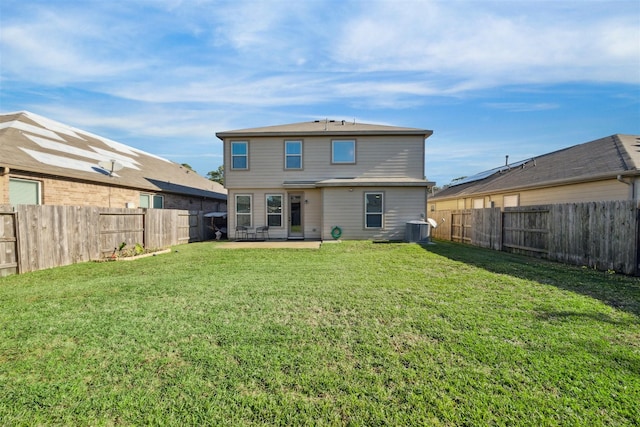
[189, 227]
[8, 244]
[461, 226]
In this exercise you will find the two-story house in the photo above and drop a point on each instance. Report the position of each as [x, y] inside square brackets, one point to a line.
[326, 179]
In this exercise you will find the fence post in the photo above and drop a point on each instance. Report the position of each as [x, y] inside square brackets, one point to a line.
[9, 242]
[145, 229]
[636, 271]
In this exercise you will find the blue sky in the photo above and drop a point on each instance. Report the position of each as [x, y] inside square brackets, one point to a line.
[490, 78]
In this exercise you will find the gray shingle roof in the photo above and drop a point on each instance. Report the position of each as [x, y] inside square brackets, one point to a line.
[603, 158]
[32, 143]
[324, 127]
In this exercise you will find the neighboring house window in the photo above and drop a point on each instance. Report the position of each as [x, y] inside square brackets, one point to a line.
[151, 201]
[511, 201]
[24, 192]
[274, 210]
[343, 151]
[243, 210]
[373, 210]
[478, 203]
[239, 155]
[293, 154]
[158, 202]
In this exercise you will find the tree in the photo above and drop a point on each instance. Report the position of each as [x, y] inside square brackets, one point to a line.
[188, 166]
[217, 175]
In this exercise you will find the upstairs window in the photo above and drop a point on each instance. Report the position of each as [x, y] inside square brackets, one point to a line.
[293, 154]
[239, 155]
[343, 151]
[373, 210]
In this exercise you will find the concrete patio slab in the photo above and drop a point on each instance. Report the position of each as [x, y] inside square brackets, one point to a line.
[273, 244]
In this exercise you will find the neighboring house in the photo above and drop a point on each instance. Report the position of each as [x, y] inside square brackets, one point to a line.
[601, 170]
[305, 179]
[46, 162]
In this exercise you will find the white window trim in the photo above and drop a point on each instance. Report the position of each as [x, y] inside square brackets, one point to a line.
[294, 155]
[266, 210]
[374, 213]
[478, 203]
[246, 156]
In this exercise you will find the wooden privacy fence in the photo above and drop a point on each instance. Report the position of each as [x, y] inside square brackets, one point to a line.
[602, 235]
[8, 244]
[37, 237]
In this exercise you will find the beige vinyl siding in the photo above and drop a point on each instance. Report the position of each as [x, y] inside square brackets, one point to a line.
[394, 158]
[345, 208]
[441, 205]
[391, 156]
[597, 191]
[312, 211]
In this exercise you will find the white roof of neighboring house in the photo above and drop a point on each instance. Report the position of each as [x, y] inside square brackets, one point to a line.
[32, 143]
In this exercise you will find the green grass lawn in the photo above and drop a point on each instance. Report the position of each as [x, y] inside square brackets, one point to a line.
[355, 333]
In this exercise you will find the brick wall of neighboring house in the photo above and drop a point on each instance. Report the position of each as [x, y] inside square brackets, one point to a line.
[80, 193]
[77, 193]
[55, 191]
[173, 201]
[4, 189]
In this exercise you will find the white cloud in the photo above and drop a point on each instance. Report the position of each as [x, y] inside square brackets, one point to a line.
[473, 41]
[160, 71]
[52, 47]
[520, 107]
[265, 53]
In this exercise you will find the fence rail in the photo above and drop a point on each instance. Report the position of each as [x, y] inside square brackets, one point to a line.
[36, 237]
[602, 235]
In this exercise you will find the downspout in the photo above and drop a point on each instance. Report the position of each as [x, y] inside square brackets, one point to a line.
[632, 189]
